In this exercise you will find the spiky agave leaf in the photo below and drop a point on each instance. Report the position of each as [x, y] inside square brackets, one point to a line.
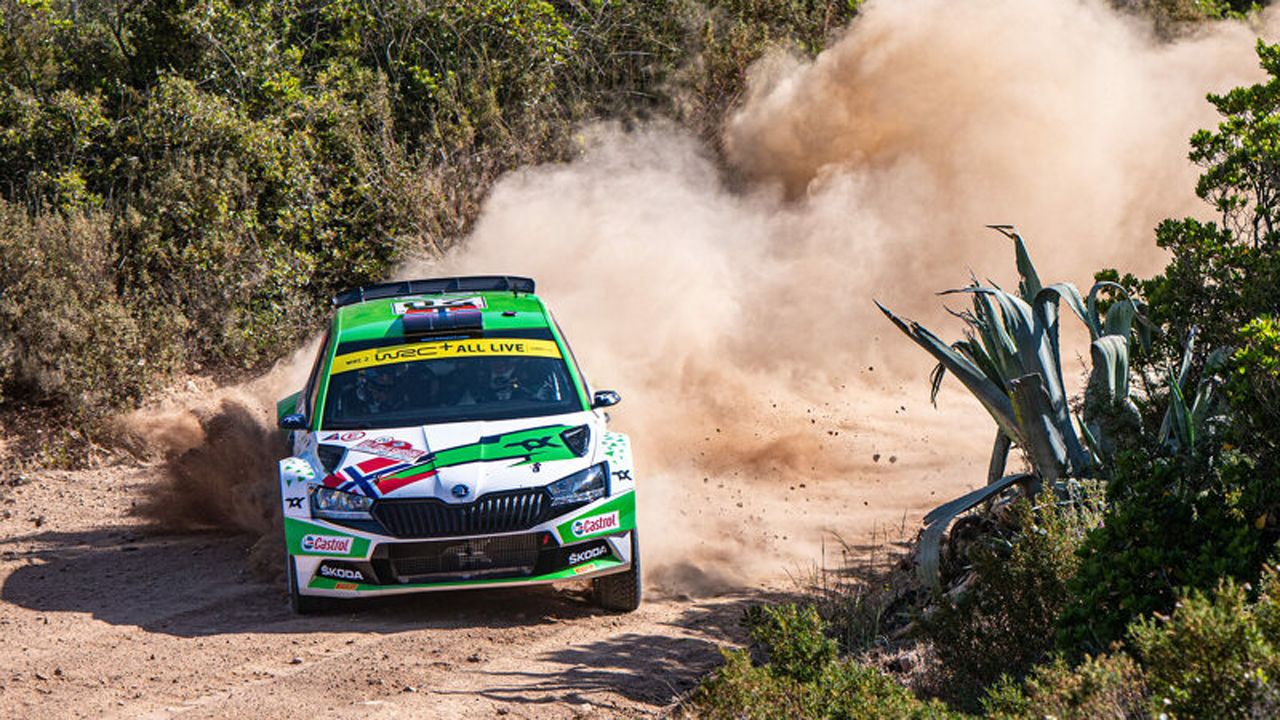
[1029, 282]
[1107, 396]
[999, 457]
[1043, 439]
[1110, 355]
[929, 551]
[1092, 432]
[1067, 292]
[997, 340]
[1050, 359]
[1120, 319]
[976, 352]
[987, 344]
[1181, 431]
[988, 393]
[1034, 332]
[1169, 433]
[1204, 407]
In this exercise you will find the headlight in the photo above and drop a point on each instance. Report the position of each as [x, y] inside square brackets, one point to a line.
[338, 505]
[580, 487]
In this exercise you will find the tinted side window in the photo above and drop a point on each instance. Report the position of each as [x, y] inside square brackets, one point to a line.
[312, 390]
[586, 387]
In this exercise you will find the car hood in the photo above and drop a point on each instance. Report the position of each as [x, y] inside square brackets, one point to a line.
[458, 462]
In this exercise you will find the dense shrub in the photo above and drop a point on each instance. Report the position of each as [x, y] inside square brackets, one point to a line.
[793, 639]
[1173, 18]
[1003, 623]
[1108, 686]
[1224, 274]
[1217, 656]
[1185, 519]
[1172, 522]
[64, 332]
[804, 678]
[1253, 385]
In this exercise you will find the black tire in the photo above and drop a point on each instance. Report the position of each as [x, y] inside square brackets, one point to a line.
[621, 592]
[301, 604]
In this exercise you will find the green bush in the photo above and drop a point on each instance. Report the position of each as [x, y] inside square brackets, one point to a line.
[1108, 686]
[794, 639]
[1003, 624]
[1253, 385]
[1186, 520]
[65, 335]
[1217, 656]
[732, 34]
[1172, 522]
[804, 678]
[1223, 274]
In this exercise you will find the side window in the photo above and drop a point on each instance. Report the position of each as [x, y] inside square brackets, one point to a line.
[572, 358]
[313, 383]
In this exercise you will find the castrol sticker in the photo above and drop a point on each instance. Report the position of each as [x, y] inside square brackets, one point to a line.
[583, 527]
[326, 545]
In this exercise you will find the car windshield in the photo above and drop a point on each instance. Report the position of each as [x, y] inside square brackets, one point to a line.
[440, 381]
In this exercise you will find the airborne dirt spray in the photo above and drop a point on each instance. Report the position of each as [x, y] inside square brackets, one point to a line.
[768, 402]
[220, 450]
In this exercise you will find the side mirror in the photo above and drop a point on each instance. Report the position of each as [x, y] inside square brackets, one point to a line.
[605, 398]
[293, 421]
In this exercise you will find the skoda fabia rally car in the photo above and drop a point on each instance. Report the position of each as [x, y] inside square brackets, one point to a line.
[446, 439]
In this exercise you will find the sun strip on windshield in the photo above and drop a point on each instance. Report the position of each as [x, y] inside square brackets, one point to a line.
[443, 349]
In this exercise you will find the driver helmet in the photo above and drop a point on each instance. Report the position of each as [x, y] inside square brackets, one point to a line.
[377, 387]
[502, 377]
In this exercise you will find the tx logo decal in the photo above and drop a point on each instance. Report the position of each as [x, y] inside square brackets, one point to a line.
[294, 502]
[533, 443]
[622, 474]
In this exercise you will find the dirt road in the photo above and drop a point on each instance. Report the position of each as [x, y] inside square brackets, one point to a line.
[103, 617]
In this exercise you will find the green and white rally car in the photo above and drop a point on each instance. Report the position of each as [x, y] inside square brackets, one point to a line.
[446, 439]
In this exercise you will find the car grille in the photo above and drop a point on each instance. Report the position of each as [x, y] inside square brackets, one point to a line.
[493, 513]
[510, 556]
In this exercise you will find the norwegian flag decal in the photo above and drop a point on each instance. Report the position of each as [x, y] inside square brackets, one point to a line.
[360, 477]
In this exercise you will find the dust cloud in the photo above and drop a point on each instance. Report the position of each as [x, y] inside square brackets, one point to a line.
[729, 298]
[218, 452]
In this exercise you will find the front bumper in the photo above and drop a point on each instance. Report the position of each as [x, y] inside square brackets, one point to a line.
[338, 561]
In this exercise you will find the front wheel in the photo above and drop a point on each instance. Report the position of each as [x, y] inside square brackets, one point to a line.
[621, 592]
[301, 604]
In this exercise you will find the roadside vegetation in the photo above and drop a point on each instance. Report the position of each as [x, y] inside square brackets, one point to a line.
[1130, 568]
[184, 185]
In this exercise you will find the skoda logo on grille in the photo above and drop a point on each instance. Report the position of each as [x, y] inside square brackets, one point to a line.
[460, 491]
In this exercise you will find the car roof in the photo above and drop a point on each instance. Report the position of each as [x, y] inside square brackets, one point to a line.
[501, 310]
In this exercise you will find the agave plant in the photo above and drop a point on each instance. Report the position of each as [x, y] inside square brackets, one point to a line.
[1185, 423]
[1010, 359]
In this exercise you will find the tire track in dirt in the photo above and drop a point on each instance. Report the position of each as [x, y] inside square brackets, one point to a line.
[104, 620]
